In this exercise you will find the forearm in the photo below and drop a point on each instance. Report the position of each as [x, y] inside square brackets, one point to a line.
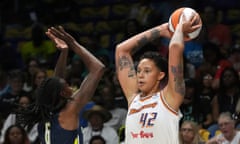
[176, 74]
[177, 40]
[136, 42]
[60, 67]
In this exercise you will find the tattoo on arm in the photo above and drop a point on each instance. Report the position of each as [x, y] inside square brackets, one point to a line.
[125, 62]
[178, 78]
[140, 43]
[154, 34]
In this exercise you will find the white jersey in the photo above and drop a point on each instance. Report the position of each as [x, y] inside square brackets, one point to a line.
[152, 121]
[236, 139]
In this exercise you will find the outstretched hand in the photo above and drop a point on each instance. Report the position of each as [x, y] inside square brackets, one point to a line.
[60, 37]
[60, 44]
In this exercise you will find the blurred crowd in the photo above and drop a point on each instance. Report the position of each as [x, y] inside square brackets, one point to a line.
[212, 63]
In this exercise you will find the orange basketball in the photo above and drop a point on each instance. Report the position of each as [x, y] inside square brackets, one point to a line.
[176, 17]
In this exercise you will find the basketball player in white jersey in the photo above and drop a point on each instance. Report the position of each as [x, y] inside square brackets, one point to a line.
[153, 111]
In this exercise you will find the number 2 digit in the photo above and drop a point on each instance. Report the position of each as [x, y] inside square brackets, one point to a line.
[147, 119]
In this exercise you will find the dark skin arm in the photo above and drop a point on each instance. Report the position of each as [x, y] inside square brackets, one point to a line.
[60, 67]
[69, 117]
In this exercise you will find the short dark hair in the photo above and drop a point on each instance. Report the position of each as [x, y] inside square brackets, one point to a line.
[159, 60]
[97, 137]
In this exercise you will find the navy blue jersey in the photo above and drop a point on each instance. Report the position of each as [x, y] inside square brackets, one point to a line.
[52, 133]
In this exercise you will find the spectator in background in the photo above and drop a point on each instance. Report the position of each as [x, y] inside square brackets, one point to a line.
[31, 67]
[204, 100]
[121, 101]
[8, 100]
[97, 116]
[16, 134]
[228, 133]
[74, 72]
[213, 63]
[189, 108]
[193, 51]
[189, 69]
[234, 58]
[38, 47]
[108, 100]
[4, 85]
[227, 96]
[228, 93]
[13, 119]
[189, 133]
[38, 77]
[218, 33]
[97, 140]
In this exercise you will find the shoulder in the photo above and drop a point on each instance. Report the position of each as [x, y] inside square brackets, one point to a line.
[109, 130]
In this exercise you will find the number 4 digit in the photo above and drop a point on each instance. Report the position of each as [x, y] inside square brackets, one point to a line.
[143, 119]
[147, 119]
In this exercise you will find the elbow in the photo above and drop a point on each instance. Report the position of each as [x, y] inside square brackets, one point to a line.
[101, 69]
[118, 49]
[118, 46]
[122, 48]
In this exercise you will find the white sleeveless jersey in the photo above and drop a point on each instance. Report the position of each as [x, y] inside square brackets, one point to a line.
[236, 139]
[152, 121]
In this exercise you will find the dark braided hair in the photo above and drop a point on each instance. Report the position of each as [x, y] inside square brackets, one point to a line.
[48, 101]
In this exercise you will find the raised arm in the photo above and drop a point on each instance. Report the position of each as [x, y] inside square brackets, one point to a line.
[94, 66]
[60, 68]
[124, 62]
[176, 87]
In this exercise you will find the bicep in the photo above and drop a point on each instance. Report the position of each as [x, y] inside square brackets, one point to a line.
[126, 75]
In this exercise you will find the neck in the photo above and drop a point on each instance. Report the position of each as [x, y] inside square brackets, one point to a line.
[145, 95]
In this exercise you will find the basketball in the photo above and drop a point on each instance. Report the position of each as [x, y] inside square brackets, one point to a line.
[176, 17]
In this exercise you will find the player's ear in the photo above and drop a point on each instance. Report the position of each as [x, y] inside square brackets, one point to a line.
[161, 75]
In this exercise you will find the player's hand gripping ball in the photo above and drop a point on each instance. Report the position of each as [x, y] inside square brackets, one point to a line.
[177, 16]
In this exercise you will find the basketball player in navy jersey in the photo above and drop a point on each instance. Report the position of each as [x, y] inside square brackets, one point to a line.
[57, 108]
